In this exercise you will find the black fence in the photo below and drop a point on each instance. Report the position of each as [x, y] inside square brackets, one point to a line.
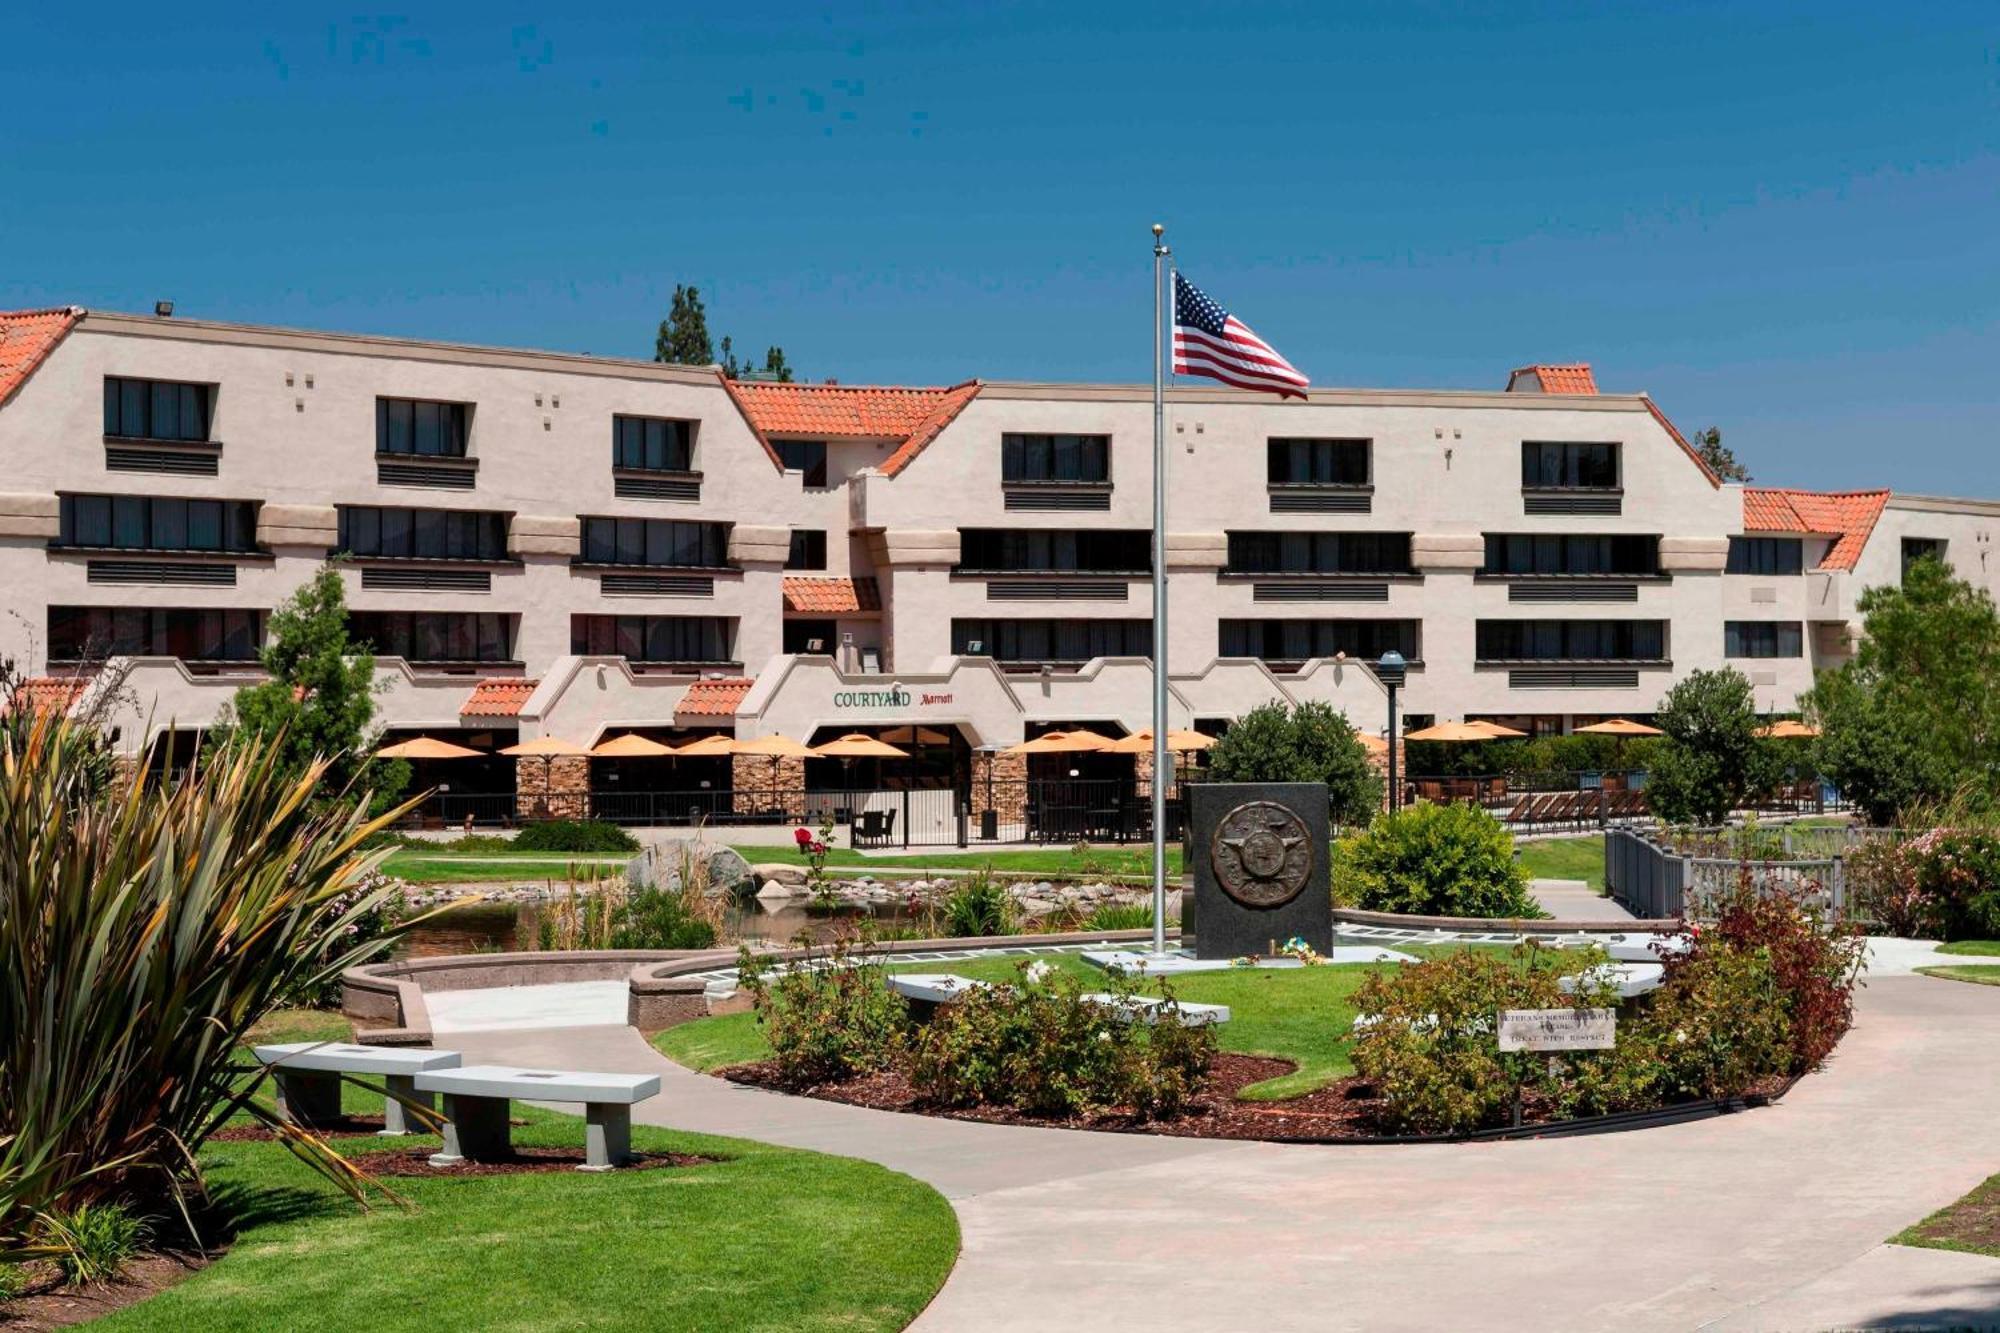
[1557, 800]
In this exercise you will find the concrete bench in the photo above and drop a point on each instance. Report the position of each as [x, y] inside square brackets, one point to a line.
[1147, 1009]
[476, 1099]
[925, 991]
[1631, 979]
[308, 1077]
[1643, 948]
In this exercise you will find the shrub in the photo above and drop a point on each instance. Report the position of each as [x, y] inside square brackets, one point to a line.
[146, 930]
[1038, 1046]
[1816, 962]
[385, 909]
[1119, 916]
[1430, 1048]
[1312, 742]
[828, 1015]
[1711, 757]
[1441, 860]
[94, 1241]
[1884, 890]
[574, 835]
[978, 905]
[1958, 874]
[1717, 1025]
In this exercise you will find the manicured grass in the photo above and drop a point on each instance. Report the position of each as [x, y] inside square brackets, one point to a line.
[1986, 974]
[1053, 862]
[1566, 858]
[1970, 1226]
[1987, 948]
[1298, 1014]
[446, 867]
[763, 1238]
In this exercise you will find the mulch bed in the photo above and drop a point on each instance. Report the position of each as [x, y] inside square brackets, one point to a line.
[347, 1127]
[1344, 1109]
[48, 1305]
[523, 1161]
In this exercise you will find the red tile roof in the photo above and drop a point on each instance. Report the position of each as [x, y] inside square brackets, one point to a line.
[832, 596]
[1681, 440]
[1557, 379]
[1847, 515]
[50, 694]
[26, 339]
[911, 416]
[501, 696]
[714, 698]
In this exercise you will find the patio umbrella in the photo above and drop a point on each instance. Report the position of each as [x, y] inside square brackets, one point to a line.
[631, 746]
[1372, 744]
[1790, 729]
[427, 747]
[855, 746]
[1141, 742]
[1453, 731]
[775, 747]
[716, 745]
[1062, 742]
[1498, 732]
[548, 749]
[915, 736]
[1620, 726]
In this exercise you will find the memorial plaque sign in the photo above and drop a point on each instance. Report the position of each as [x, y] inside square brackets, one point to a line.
[1258, 853]
[1558, 1029]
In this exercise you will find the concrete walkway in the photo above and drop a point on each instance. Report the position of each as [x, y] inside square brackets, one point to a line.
[1769, 1220]
[1575, 900]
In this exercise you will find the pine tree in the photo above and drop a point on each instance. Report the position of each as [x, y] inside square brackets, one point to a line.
[683, 338]
[1721, 461]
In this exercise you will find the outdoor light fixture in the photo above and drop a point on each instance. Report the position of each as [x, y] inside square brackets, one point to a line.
[1391, 671]
[815, 645]
[164, 309]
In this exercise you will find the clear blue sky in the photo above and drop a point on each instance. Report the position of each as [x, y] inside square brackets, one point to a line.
[1779, 219]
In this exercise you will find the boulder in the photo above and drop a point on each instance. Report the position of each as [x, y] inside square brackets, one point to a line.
[783, 874]
[727, 870]
[772, 891]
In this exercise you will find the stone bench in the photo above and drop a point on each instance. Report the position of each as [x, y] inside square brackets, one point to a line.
[1147, 1009]
[476, 1098]
[925, 991]
[1631, 979]
[308, 1077]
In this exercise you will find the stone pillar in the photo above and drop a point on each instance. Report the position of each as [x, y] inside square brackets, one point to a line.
[552, 787]
[1142, 776]
[999, 784]
[761, 783]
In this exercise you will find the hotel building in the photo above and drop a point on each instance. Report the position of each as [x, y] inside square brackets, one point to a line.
[547, 544]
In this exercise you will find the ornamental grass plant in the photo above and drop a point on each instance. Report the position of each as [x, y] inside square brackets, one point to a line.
[147, 925]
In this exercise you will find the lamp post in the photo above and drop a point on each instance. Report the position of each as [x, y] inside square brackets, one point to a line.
[1391, 671]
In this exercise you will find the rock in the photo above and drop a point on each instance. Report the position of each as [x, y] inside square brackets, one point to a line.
[783, 874]
[727, 870]
[774, 892]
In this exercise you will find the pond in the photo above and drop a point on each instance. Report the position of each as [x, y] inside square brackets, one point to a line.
[505, 927]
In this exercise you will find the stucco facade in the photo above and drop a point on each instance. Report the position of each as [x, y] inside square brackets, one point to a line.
[911, 493]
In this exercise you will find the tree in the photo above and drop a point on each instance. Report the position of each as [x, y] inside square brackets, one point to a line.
[1915, 716]
[1711, 757]
[1313, 742]
[776, 366]
[1720, 459]
[321, 693]
[683, 336]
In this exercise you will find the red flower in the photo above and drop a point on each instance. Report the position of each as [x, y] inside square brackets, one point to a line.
[802, 836]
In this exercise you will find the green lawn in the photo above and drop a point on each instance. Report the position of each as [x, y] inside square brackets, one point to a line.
[1987, 974]
[1566, 858]
[1971, 1226]
[763, 1238]
[1299, 1014]
[1053, 862]
[446, 867]
[1984, 948]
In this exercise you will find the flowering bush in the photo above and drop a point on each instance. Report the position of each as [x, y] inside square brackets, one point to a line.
[814, 847]
[828, 1015]
[1039, 1046]
[1883, 889]
[380, 920]
[1717, 1025]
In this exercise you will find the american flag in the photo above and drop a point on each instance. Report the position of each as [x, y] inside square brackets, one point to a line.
[1210, 341]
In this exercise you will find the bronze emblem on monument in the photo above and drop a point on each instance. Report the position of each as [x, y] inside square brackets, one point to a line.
[1261, 854]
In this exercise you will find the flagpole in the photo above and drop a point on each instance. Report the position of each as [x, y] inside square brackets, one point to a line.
[1160, 253]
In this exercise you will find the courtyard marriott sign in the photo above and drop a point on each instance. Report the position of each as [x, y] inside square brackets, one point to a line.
[893, 697]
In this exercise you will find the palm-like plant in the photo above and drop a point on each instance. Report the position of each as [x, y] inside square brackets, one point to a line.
[145, 927]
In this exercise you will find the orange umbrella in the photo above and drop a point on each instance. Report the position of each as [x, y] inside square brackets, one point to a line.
[1141, 742]
[546, 747]
[854, 745]
[1620, 726]
[1498, 732]
[1375, 744]
[1061, 742]
[719, 745]
[1789, 730]
[631, 746]
[1453, 731]
[426, 747]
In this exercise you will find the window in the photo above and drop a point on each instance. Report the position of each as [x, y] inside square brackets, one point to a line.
[1766, 555]
[1036, 459]
[416, 426]
[1521, 553]
[1306, 462]
[653, 638]
[1064, 551]
[810, 636]
[1319, 553]
[1763, 638]
[155, 409]
[808, 549]
[1572, 640]
[1920, 548]
[1067, 642]
[158, 523]
[655, 541]
[90, 633]
[652, 444]
[1567, 466]
[423, 534]
[436, 636]
[1298, 640]
[807, 456]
